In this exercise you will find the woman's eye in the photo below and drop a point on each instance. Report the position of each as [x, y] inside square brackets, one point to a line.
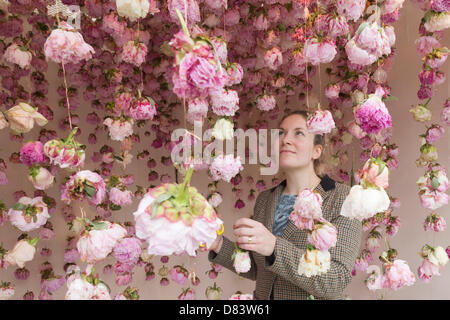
[300, 132]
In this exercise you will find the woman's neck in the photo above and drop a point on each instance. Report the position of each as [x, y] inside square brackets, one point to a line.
[297, 180]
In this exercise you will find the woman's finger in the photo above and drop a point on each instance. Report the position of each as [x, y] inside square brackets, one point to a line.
[245, 222]
[248, 246]
[243, 231]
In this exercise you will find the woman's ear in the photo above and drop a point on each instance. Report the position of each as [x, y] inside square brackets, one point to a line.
[317, 151]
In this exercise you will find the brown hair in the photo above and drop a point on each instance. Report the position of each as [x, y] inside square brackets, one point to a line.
[319, 165]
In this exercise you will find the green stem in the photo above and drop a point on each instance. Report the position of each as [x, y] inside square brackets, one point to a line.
[182, 196]
[426, 103]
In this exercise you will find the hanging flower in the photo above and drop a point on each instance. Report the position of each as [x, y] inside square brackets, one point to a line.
[176, 219]
[213, 293]
[128, 250]
[32, 153]
[437, 21]
[224, 102]
[225, 167]
[266, 102]
[434, 222]
[29, 214]
[66, 45]
[241, 296]
[363, 203]
[314, 262]
[273, 58]
[223, 129]
[6, 290]
[22, 252]
[193, 10]
[421, 113]
[66, 153]
[375, 279]
[119, 128]
[316, 51]
[323, 236]
[21, 118]
[98, 239]
[197, 110]
[445, 114]
[134, 52]
[234, 72]
[143, 108]
[308, 204]
[188, 294]
[18, 55]
[372, 115]
[320, 122]
[241, 260]
[179, 274]
[375, 172]
[349, 9]
[84, 184]
[120, 197]
[397, 274]
[133, 9]
[86, 287]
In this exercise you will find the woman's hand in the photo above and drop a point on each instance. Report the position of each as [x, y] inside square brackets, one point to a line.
[254, 236]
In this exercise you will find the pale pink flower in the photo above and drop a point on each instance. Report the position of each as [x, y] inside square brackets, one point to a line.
[320, 122]
[235, 72]
[332, 91]
[22, 252]
[193, 11]
[197, 110]
[434, 133]
[66, 45]
[120, 128]
[371, 173]
[179, 275]
[445, 114]
[358, 55]
[266, 102]
[224, 102]
[142, 109]
[119, 197]
[437, 21]
[242, 262]
[41, 178]
[375, 279]
[316, 52]
[32, 216]
[134, 52]
[18, 55]
[21, 118]
[338, 26]
[261, 23]
[273, 58]
[301, 222]
[349, 9]
[397, 275]
[434, 222]
[95, 245]
[433, 200]
[308, 204]
[188, 294]
[241, 296]
[225, 167]
[356, 130]
[372, 115]
[427, 270]
[323, 236]
[426, 44]
[220, 48]
[84, 184]
[128, 250]
[390, 6]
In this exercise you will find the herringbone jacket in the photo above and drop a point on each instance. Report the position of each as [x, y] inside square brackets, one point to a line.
[277, 276]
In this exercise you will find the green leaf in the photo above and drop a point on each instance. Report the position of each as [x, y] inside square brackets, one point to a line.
[391, 98]
[183, 23]
[19, 206]
[435, 183]
[361, 27]
[89, 190]
[114, 207]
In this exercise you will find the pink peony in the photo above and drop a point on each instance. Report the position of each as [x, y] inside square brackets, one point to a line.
[427, 270]
[240, 296]
[323, 236]
[308, 204]
[134, 52]
[40, 177]
[224, 102]
[317, 52]
[371, 173]
[71, 255]
[433, 200]
[440, 5]
[193, 11]
[197, 110]
[445, 114]
[179, 275]
[301, 222]
[66, 45]
[29, 214]
[372, 115]
[266, 102]
[426, 44]
[119, 128]
[320, 122]
[18, 55]
[241, 261]
[122, 103]
[225, 167]
[350, 9]
[235, 72]
[397, 275]
[188, 294]
[96, 244]
[32, 153]
[84, 184]
[128, 250]
[434, 133]
[332, 91]
[273, 58]
[434, 222]
[119, 197]
[358, 55]
[142, 109]
[338, 26]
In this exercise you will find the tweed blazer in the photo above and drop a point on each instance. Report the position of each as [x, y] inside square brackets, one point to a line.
[277, 276]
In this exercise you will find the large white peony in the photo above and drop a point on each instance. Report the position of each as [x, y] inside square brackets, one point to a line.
[133, 9]
[314, 262]
[95, 245]
[364, 203]
[22, 252]
[183, 222]
[81, 289]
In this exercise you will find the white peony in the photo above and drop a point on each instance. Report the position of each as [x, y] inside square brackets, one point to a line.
[22, 252]
[438, 21]
[375, 279]
[133, 9]
[364, 203]
[438, 256]
[80, 289]
[3, 122]
[223, 129]
[314, 262]
[6, 293]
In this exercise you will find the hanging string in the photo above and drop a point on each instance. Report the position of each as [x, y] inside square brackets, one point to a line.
[67, 96]
[305, 10]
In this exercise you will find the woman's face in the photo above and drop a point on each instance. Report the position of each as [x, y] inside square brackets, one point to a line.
[296, 144]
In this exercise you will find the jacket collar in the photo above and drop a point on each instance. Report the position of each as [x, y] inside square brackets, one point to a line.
[325, 185]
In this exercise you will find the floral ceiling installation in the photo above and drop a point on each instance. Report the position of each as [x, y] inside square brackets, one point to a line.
[130, 72]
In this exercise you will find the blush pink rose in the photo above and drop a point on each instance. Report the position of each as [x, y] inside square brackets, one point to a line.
[320, 122]
[273, 58]
[134, 52]
[371, 172]
[18, 55]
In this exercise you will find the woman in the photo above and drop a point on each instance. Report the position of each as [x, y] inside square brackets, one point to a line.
[275, 243]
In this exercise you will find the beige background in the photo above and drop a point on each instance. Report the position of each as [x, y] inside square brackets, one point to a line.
[410, 238]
